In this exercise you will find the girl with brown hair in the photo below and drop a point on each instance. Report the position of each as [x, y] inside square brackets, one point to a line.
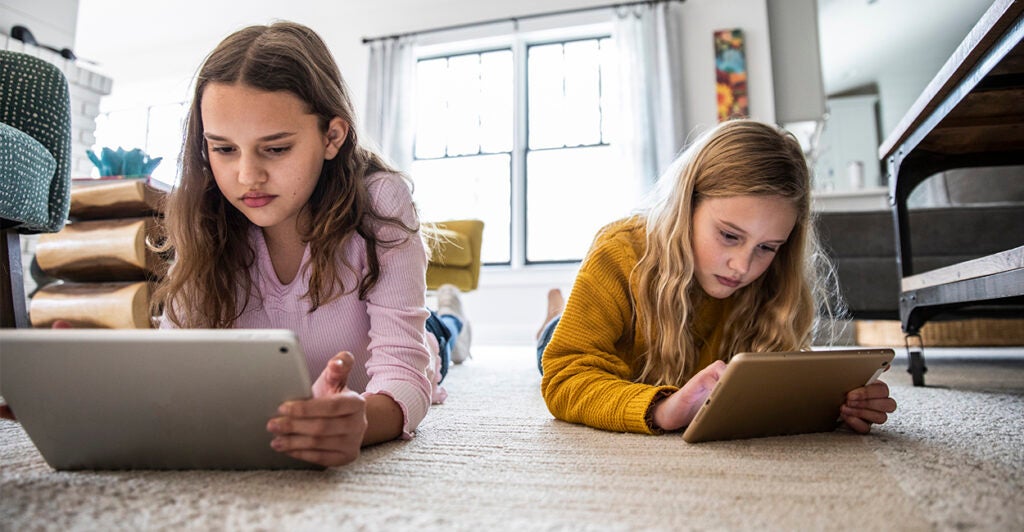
[282, 219]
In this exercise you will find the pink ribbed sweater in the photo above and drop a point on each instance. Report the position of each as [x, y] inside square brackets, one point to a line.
[394, 354]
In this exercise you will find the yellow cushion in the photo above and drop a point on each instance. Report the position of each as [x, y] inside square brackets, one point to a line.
[454, 253]
[450, 248]
[439, 275]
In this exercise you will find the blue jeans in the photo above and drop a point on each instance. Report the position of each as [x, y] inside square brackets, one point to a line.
[545, 339]
[446, 329]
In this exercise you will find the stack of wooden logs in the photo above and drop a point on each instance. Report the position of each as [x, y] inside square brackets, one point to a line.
[100, 264]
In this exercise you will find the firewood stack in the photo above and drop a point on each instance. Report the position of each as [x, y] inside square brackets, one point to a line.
[102, 268]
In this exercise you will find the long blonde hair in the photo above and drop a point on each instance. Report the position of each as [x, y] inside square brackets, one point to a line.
[777, 312]
[210, 284]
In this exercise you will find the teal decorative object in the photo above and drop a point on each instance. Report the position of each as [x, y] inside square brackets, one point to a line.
[123, 163]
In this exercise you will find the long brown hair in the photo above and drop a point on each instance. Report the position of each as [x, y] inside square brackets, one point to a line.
[209, 284]
[778, 311]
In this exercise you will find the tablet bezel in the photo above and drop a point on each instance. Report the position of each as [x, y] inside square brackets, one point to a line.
[105, 399]
[776, 394]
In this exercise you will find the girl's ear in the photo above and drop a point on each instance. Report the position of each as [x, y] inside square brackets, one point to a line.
[337, 132]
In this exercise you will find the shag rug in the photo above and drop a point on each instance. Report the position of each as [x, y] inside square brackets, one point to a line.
[492, 457]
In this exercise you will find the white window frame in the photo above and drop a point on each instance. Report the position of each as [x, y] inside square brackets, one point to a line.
[518, 36]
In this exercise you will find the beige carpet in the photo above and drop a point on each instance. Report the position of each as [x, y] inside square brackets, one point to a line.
[952, 457]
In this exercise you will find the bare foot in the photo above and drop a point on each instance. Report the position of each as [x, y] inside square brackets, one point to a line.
[556, 304]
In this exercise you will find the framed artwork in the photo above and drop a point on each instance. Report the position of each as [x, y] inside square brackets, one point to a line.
[731, 75]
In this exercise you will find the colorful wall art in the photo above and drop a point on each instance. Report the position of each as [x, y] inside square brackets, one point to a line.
[731, 75]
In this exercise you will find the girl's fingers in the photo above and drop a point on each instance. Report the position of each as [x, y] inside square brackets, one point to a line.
[875, 390]
[334, 376]
[325, 457]
[340, 404]
[339, 368]
[326, 451]
[856, 424]
[887, 404]
[876, 417]
[715, 370]
[295, 443]
[318, 426]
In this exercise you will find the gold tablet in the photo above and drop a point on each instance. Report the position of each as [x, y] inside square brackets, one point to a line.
[774, 394]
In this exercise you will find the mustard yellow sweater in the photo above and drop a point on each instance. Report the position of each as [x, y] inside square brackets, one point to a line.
[593, 359]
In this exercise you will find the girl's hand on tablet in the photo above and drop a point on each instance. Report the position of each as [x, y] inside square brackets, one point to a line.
[867, 405]
[327, 429]
[677, 410]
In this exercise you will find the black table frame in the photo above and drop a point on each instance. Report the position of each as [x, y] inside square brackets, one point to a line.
[911, 160]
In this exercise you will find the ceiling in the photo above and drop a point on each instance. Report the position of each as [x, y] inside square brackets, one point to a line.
[860, 40]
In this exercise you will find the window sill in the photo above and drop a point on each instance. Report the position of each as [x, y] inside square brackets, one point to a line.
[529, 275]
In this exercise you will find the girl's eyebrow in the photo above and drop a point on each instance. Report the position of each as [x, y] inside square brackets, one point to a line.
[739, 230]
[267, 138]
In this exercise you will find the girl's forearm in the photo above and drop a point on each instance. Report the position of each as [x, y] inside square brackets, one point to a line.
[384, 419]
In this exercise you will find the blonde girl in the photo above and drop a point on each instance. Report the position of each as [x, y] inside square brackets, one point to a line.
[726, 261]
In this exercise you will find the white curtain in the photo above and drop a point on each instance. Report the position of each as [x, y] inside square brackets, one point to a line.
[650, 57]
[390, 120]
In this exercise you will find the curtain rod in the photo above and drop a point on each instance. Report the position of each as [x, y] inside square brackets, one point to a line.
[367, 40]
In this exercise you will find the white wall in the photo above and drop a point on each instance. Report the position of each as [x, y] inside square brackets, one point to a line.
[701, 19]
[52, 22]
[897, 45]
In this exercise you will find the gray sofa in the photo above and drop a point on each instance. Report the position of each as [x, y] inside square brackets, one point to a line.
[862, 244]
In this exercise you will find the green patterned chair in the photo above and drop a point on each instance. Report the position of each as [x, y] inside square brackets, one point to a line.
[35, 171]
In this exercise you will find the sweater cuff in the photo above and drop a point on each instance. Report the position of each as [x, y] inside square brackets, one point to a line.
[638, 407]
[414, 409]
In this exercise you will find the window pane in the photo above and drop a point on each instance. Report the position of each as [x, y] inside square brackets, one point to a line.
[571, 193]
[545, 94]
[609, 89]
[496, 111]
[464, 105]
[476, 187]
[121, 129]
[565, 94]
[582, 94]
[157, 130]
[467, 116]
[431, 107]
[166, 124]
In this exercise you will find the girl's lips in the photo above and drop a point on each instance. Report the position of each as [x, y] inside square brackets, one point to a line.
[727, 281]
[257, 200]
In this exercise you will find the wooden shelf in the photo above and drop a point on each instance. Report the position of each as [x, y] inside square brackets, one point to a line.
[999, 262]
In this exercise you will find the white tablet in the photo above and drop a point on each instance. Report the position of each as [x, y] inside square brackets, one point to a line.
[774, 394]
[152, 399]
